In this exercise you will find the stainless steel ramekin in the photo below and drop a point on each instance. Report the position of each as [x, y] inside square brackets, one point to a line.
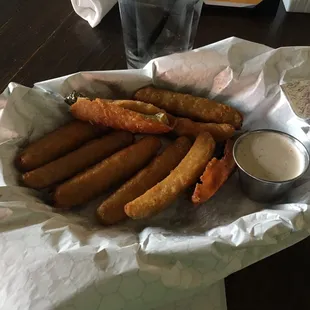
[261, 190]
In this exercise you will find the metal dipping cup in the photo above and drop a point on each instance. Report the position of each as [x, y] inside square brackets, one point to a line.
[261, 190]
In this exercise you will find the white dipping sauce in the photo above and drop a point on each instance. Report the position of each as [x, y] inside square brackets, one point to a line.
[269, 156]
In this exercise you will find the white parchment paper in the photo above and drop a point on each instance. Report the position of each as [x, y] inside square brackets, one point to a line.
[178, 259]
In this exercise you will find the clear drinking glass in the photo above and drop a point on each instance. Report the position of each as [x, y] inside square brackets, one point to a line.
[154, 28]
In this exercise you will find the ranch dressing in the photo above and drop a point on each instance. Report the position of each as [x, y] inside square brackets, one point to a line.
[269, 156]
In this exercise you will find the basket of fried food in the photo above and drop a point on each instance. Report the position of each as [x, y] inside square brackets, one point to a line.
[117, 144]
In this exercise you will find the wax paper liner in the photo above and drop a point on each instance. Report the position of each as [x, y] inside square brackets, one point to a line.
[178, 259]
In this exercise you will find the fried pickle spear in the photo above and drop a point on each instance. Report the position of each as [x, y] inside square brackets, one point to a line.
[186, 105]
[95, 180]
[139, 106]
[184, 175]
[112, 211]
[55, 144]
[147, 109]
[189, 128]
[181, 126]
[76, 161]
[104, 112]
[215, 175]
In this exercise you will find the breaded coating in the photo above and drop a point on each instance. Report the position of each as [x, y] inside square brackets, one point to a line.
[78, 160]
[147, 109]
[184, 175]
[215, 175]
[185, 105]
[189, 128]
[97, 179]
[139, 106]
[57, 143]
[103, 112]
[112, 211]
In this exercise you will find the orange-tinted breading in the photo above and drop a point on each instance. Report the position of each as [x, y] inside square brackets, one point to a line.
[103, 112]
[56, 143]
[215, 175]
[78, 160]
[184, 175]
[189, 128]
[181, 126]
[147, 109]
[138, 106]
[112, 211]
[185, 105]
[97, 179]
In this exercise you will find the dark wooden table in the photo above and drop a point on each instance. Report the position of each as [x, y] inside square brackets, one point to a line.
[41, 42]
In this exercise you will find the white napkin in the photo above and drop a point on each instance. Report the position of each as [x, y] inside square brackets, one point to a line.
[300, 6]
[92, 10]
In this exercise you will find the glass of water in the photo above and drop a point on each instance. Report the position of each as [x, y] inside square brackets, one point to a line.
[154, 28]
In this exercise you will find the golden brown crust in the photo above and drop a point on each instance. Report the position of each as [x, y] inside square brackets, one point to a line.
[147, 109]
[184, 175]
[215, 175]
[139, 106]
[189, 128]
[186, 105]
[112, 211]
[56, 143]
[78, 160]
[106, 113]
[97, 179]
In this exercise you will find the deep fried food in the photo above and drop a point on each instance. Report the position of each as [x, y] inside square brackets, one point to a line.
[103, 112]
[189, 106]
[95, 180]
[215, 175]
[184, 175]
[181, 126]
[55, 144]
[189, 128]
[147, 109]
[76, 161]
[138, 106]
[112, 211]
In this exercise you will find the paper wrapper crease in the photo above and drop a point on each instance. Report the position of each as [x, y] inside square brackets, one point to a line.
[52, 260]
